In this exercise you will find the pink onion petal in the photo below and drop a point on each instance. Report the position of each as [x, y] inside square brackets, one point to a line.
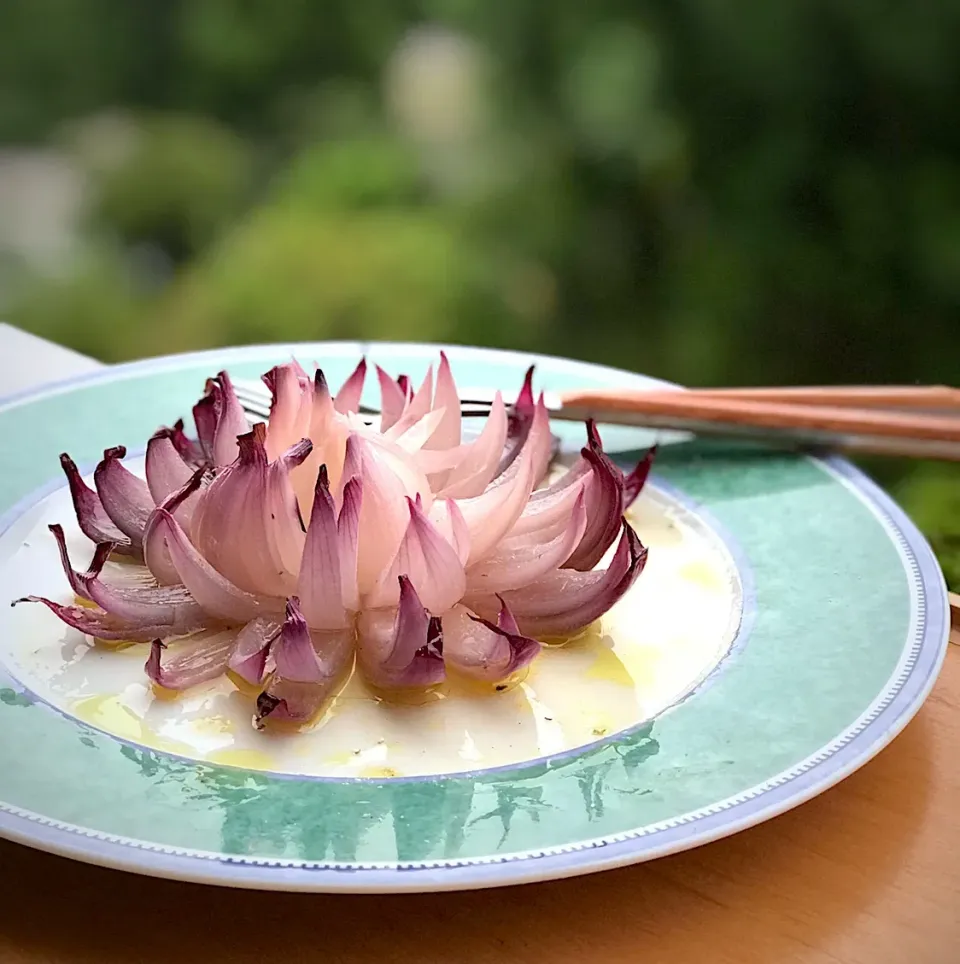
[483, 649]
[383, 515]
[310, 665]
[231, 422]
[403, 383]
[214, 592]
[419, 434]
[565, 601]
[518, 561]
[192, 660]
[289, 409]
[125, 497]
[348, 398]
[476, 467]
[319, 582]
[283, 522]
[633, 484]
[166, 470]
[99, 623]
[604, 510]
[247, 516]
[205, 419]
[328, 431]
[542, 442]
[248, 659]
[181, 503]
[446, 400]
[493, 514]
[543, 513]
[348, 532]
[92, 518]
[418, 406]
[170, 606]
[393, 400]
[422, 400]
[401, 648]
[429, 561]
[450, 523]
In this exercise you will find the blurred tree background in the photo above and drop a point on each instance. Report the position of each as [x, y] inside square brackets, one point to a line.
[716, 193]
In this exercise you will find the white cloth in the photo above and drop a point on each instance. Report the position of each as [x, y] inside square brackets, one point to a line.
[27, 361]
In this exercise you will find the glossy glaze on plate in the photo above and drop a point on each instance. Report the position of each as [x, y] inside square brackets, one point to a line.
[828, 629]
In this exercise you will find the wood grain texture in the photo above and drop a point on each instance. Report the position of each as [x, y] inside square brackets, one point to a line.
[732, 410]
[867, 873]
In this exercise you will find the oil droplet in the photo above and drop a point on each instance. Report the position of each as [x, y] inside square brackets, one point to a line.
[214, 725]
[245, 686]
[116, 645]
[109, 713]
[345, 758]
[702, 574]
[459, 685]
[410, 697]
[557, 642]
[163, 694]
[248, 759]
[609, 667]
[375, 773]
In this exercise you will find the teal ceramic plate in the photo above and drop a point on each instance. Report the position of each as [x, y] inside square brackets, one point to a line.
[789, 623]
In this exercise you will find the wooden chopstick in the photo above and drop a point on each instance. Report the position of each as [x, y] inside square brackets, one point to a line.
[724, 410]
[929, 397]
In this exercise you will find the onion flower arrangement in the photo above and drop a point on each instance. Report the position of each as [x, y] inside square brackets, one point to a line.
[286, 555]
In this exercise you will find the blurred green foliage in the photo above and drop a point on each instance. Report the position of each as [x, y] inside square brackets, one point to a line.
[711, 192]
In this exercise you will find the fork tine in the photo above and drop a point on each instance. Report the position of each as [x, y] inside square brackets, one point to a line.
[255, 400]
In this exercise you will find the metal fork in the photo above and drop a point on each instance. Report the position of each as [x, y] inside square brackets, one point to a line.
[854, 428]
[474, 403]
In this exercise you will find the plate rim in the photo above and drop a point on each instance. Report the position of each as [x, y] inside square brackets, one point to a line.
[802, 781]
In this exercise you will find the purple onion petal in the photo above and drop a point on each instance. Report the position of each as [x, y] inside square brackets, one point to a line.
[205, 417]
[100, 624]
[566, 601]
[309, 667]
[125, 497]
[249, 657]
[399, 649]
[92, 518]
[604, 506]
[182, 663]
[633, 484]
[170, 606]
[231, 422]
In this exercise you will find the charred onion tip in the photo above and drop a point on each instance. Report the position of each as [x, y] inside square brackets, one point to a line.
[320, 380]
[116, 452]
[323, 478]
[266, 704]
[593, 435]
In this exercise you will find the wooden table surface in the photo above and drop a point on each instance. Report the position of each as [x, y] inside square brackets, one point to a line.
[867, 873]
